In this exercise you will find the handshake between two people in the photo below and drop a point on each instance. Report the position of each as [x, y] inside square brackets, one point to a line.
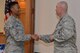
[39, 37]
[35, 37]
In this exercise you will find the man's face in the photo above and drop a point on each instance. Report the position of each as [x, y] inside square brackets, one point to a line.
[15, 9]
[58, 9]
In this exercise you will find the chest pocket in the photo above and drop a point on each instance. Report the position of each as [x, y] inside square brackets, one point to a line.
[59, 25]
[19, 27]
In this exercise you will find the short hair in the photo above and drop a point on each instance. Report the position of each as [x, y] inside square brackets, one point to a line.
[11, 4]
[64, 3]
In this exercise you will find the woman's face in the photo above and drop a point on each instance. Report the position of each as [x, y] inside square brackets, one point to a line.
[15, 9]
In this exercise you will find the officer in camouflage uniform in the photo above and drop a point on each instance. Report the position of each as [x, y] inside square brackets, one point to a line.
[64, 36]
[14, 31]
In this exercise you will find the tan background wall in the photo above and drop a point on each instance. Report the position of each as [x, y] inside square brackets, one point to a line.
[2, 4]
[45, 23]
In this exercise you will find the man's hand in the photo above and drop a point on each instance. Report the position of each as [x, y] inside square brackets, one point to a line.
[35, 37]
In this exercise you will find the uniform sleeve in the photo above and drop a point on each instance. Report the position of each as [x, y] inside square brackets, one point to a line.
[45, 38]
[65, 32]
[18, 34]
